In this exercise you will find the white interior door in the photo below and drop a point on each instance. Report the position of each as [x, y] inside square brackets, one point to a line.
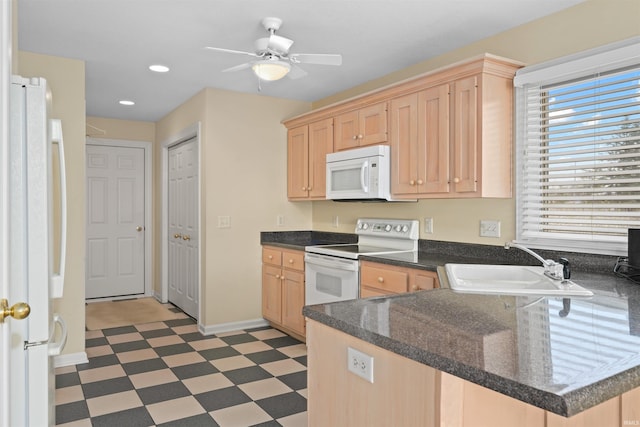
[183, 227]
[115, 221]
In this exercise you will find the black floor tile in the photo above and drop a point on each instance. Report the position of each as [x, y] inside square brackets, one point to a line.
[162, 392]
[67, 380]
[247, 375]
[169, 350]
[272, 423]
[136, 417]
[223, 398]
[119, 331]
[238, 339]
[130, 346]
[285, 341]
[96, 342]
[101, 388]
[71, 412]
[179, 322]
[283, 405]
[144, 366]
[302, 360]
[155, 333]
[194, 370]
[218, 353]
[202, 420]
[99, 362]
[195, 336]
[296, 381]
[265, 356]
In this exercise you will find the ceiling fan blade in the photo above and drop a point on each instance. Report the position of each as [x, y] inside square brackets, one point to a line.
[316, 58]
[296, 72]
[242, 52]
[237, 67]
[279, 44]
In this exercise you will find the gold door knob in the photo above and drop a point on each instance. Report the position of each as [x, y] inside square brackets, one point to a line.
[177, 236]
[186, 237]
[17, 311]
[139, 228]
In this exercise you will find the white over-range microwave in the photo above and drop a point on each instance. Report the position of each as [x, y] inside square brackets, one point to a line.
[360, 174]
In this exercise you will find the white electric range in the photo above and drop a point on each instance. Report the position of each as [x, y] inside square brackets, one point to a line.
[332, 272]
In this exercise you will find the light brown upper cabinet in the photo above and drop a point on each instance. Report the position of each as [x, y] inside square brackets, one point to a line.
[450, 130]
[365, 126]
[453, 140]
[307, 150]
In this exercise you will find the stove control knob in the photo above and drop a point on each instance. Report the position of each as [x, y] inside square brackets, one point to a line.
[398, 228]
[365, 226]
[387, 227]
[405, 228]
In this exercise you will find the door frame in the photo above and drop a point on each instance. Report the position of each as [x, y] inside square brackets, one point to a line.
[193, 131]
[148, 205]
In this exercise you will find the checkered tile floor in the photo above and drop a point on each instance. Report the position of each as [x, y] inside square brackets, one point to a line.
[168, 374]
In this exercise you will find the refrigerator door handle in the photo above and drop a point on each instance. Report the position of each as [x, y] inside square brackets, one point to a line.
[57, 280]
[56, 347]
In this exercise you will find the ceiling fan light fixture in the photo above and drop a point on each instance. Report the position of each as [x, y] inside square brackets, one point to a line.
[271, 70]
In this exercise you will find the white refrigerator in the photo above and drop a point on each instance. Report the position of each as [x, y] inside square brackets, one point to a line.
[35, 140]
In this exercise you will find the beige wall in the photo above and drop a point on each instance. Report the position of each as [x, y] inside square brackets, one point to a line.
[66, 80]
[99, 127]
[244, 176]
[587, 25]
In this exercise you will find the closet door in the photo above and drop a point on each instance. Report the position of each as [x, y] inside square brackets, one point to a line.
[183, 227]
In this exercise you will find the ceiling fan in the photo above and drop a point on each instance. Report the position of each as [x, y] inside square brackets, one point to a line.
[273, 60]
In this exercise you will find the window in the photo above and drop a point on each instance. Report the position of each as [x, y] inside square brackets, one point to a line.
[578, 151]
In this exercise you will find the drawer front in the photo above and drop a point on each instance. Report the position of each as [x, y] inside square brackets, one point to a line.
[383, 279]
[271, 256]
[293, 260]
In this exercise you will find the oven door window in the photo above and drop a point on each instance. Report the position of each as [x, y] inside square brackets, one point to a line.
[329, 284]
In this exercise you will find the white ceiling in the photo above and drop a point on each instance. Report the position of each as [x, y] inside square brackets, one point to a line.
[119, 39]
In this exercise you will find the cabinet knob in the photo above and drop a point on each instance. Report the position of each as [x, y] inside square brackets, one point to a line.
[277, 276]
[415, 288]
[420, 182]
[360, 136]
[412, 182]
[270, 256]
[304, 188]
[380, 279]
[308, 188]
[354, 137]
[291, 261]
[456, 180]
[177, 236]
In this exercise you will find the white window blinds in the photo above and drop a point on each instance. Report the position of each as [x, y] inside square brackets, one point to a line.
[578, 180]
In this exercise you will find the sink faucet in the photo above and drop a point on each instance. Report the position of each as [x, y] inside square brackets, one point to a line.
[555, 270]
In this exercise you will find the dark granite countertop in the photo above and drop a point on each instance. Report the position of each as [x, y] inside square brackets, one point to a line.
[562, 355]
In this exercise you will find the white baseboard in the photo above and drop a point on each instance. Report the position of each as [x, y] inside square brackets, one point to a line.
[232, 326]
[70, 359]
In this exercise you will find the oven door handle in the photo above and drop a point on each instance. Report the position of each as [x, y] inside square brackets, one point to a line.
[331, 262]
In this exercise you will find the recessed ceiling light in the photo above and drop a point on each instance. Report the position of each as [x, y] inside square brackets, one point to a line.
[127, 102]
[159, 68]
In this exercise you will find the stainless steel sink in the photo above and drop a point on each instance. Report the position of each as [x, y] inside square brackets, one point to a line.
[509, 280]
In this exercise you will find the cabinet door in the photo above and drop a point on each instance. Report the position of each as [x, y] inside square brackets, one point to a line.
[272, 293]
[433, 140]
[372, 124]
[293, 301]
[465, 136]
[404, 144]
[320, 143]
[346, 131]
[298, 163]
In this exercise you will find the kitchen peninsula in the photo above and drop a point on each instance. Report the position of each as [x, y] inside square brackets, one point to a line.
[446, 358]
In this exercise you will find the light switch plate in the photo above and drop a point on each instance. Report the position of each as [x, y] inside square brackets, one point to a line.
[489, 228]
[224, 221]
[428, 226]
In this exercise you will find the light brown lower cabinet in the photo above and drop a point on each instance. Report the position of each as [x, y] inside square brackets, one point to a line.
[283, 289]
[378, 279]
[408, 393]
